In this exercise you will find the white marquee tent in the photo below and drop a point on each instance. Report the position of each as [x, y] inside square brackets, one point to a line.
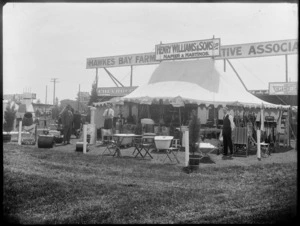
[200, 81]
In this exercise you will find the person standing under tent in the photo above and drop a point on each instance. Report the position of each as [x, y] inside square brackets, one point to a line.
[108, 119]
[67, 122]
[228, 126]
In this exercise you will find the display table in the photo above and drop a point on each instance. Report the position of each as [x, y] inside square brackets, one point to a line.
[119, 140]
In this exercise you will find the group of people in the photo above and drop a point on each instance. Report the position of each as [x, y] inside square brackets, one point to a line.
[69, 121]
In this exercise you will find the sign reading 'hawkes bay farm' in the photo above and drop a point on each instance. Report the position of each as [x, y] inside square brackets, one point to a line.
[123, 60]
[283, 88]
[115, 91]
[185, 50]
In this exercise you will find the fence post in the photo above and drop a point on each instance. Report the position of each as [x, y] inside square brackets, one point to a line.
[20, 133]
[187, 147]
[258, 144]
[84, 138]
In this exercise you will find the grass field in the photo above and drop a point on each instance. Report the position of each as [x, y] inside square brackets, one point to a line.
[61, 186]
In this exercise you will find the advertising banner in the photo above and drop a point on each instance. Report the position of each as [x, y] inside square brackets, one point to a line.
[283, 88]
[186, 50]
[120, 61]
[260, 49]
[115, 91]
[197, 49]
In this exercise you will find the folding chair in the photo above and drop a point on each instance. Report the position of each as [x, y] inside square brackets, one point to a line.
[240, 139]
[173, 149]
[137, 143]
[110, 145]
[265, 147]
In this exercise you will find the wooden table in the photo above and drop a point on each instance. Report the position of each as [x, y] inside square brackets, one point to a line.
[119, 138]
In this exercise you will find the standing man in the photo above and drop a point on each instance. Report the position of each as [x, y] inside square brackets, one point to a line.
[67, 122]
[228, 126]
[108, 119]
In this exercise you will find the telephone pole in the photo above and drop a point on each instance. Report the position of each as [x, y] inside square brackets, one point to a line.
[54, 81]
[78, 98]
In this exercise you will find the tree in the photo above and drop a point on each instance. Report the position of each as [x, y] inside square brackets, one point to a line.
[94, 96]
[55, 112]
[9, 117]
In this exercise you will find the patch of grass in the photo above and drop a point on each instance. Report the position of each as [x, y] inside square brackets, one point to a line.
[54, 187]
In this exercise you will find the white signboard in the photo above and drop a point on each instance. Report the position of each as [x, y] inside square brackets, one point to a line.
[115, 91]
[283, 88]
[185, 50]
[120, 61]
[260, 49]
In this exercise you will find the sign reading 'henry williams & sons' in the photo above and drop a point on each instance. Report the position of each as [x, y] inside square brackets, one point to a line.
[185, 50]
[115, 91]
[283, 88]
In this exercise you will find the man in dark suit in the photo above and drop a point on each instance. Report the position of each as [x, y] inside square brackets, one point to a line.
[228, 126]
[67, 123]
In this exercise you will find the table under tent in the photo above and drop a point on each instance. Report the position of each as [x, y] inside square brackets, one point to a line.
[178, 87]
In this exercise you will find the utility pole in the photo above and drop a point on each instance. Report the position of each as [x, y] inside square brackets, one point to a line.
[78, 98]
[45, 122]
[54, 81]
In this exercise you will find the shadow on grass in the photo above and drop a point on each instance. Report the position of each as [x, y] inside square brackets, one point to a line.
[227, 157]
[207, 160]
[282, 149]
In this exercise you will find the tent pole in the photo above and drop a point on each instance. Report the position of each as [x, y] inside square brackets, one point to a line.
[237, 74]
[131, 75]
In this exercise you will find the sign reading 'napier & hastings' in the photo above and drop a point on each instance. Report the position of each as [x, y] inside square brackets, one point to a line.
[115, 91]
[283, 88]
[185, 50]
[123, 60]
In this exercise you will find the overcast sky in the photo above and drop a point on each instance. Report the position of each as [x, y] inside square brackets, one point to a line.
[42, 41]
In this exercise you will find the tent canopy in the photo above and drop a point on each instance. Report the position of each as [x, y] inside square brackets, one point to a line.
[201, 81]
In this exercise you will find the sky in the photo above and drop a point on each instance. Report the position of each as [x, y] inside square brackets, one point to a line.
[46, 41]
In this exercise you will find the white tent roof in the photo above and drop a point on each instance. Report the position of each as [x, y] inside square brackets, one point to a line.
[201, 81]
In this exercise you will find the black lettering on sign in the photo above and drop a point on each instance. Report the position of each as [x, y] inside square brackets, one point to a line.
[276, 48]
[260, 49]
[295, 47]
[268, 48]
[239, 51]
[152, 58]
[252, 50]
[284, 49]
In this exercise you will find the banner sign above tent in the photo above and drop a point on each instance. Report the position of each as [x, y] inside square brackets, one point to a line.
[186, 50]
[283, 88]
[260, 49]
[120, 61]
[115, 91]
[196, 49]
